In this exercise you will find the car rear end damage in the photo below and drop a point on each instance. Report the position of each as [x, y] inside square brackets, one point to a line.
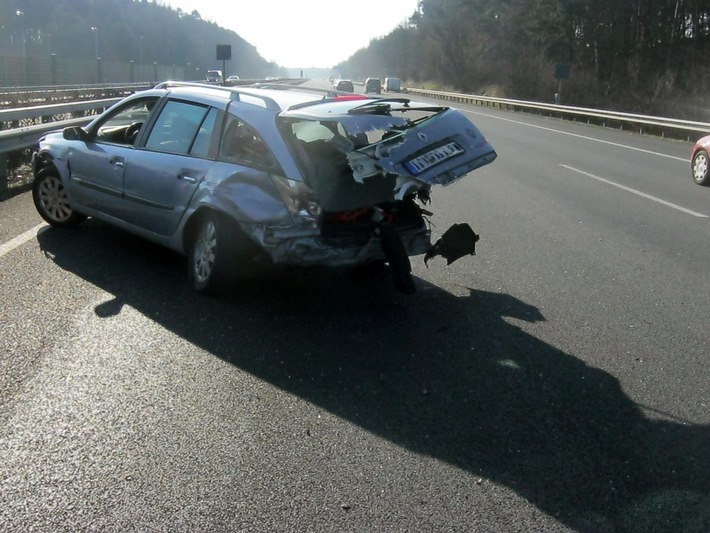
[368, 171]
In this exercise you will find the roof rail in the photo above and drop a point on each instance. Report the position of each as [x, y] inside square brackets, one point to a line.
[327, 93]
[234, 92]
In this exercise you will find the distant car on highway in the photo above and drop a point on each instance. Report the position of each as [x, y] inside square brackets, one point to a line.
[214, 76]
[392, 85]
[237, 178]
[373, 85]
[699, 161]
[344, 85]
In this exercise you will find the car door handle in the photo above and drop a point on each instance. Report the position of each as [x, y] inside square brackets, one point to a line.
[118, 162]
[187, 178]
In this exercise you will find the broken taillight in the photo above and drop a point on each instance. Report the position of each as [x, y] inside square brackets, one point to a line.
[345, 97]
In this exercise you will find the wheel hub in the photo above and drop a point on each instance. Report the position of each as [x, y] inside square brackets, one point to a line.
[205, 253]
[54, 199]
[700, 168]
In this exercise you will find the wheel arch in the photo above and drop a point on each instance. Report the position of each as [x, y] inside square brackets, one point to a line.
[192, 224]
[43, 160]
[249, 247]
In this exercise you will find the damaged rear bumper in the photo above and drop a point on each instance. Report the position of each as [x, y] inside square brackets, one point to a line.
[307, 247]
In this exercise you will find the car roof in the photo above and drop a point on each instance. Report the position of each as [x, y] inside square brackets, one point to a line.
[287, 101]
[273, 99]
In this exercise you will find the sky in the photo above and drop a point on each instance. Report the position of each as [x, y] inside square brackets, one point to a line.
[304, 33]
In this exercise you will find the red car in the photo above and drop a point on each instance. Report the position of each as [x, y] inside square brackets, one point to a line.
[699, 161]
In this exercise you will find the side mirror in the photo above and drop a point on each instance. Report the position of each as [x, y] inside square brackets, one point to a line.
[75, 133]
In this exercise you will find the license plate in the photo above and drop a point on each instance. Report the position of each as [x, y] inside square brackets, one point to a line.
[433, 157]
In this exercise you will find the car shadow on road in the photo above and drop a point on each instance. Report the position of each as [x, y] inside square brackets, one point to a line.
[454, 378]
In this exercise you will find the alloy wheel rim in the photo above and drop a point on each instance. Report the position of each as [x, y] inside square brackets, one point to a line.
[700, 168]
[205, 252]
[54, 199]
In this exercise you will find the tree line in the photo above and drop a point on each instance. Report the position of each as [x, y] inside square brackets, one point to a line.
[142, 31]
[646, 56]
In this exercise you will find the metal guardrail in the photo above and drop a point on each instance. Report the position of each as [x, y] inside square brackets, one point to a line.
[644, 123]
[18, 115]
[40, 95]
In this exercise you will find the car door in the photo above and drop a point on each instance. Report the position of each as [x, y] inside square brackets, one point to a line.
[97, 164]
[164, 172]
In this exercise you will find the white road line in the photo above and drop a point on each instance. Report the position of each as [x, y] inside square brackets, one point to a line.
[629, 189]
[586, 138]
[21, 239]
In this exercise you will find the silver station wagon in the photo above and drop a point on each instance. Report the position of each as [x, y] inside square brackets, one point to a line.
[230, 176]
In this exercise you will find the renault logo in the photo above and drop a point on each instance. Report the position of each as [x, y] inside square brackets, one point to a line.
[423, 137]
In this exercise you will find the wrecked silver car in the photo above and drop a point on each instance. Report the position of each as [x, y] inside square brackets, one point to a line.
[228, 176]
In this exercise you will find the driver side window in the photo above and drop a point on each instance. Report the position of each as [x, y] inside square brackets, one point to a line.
[123, 126]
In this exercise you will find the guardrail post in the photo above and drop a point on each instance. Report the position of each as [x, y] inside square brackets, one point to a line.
[4, 182]
[53, 68]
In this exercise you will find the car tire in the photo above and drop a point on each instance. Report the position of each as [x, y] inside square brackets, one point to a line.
[52, 202]
[700, 168]
[213, 254]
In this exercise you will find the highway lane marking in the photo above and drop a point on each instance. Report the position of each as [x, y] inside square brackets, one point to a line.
[21, 239]
[629, 189]
[585, 137]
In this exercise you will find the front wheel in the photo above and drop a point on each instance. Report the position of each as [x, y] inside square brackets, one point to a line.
[212, 255]
[52, 202]
[701, 173]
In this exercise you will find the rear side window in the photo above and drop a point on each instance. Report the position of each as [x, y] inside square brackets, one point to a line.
[242, 144]
[201, 146]
[177, 127]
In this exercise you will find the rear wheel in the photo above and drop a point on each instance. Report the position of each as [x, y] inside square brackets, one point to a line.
[213, 254]
[51, 200]
[701, 173]
[398, 259]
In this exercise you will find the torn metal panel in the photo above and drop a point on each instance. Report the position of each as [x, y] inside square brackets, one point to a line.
[302, 245]
[457, 241]
[248, 194]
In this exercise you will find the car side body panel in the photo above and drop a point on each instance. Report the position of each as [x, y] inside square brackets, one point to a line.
[157, 190]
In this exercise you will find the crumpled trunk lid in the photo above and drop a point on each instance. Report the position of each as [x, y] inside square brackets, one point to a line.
[380, 153]
[439, 150]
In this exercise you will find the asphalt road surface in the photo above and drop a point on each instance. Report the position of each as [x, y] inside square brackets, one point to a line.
[556, 381]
